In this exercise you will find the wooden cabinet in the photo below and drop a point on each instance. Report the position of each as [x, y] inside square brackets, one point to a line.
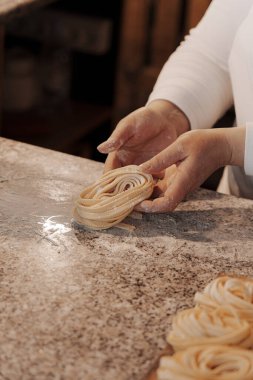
[105, 87]
[150, 32]
[73, 45]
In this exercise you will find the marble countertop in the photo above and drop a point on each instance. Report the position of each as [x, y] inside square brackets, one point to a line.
[10, 8]
[76, 304]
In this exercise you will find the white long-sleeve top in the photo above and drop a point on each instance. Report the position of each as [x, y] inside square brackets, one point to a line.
[211, 70]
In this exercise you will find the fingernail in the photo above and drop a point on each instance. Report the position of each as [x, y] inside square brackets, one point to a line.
[143, 206]
[106, 146]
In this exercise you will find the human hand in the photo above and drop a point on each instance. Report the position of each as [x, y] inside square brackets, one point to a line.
[143, 134]
[195, 155]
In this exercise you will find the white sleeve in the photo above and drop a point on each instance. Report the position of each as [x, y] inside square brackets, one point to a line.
[248, 158]
[196, 76]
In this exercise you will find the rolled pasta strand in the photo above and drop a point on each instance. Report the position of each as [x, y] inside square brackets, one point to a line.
[213, 362]
[198, 326]
[113, 197]
[234, 291]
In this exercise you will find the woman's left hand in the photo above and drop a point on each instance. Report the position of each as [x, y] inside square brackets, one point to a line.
[195, 155]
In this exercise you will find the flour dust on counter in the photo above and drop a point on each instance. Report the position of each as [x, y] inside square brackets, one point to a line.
[79, 304]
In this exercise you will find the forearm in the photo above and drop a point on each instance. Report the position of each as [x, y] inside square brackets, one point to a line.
[198, 86]
[196, 76]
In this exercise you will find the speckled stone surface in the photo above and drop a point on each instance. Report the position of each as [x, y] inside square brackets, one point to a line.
[87, 305]
[12, 8]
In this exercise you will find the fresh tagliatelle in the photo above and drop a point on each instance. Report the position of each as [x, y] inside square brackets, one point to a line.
[213, 340]
[199, 326]
[213, 362]
[233, 291]
[113, 197]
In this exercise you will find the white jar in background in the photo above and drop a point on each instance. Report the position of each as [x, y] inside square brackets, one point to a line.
[21, 82]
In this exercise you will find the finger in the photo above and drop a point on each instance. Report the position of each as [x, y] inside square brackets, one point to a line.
[163, 184]
[112, 162]
[182, 183]
[159, 175]
[170, 171]
[162, 204]
[169, 156]
[158, 205]
[158, 190]
[121, 134]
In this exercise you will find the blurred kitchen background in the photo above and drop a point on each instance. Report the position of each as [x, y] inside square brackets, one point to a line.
[70, 69]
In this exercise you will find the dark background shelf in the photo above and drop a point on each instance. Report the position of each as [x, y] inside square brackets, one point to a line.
[112, 70]
[60, 128]
[82, 120]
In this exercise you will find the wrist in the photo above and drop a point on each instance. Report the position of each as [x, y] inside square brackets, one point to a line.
[234, 145]
[171, 112]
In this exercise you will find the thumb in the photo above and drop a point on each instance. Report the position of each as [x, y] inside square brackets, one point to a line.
[167, 157]
[122, 133]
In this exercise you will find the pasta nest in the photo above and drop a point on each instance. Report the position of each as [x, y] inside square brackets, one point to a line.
[214, 362]
[234, 291]
[199, 326]
[113, 197]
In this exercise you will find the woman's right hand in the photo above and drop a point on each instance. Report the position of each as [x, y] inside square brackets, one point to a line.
[143, 134]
